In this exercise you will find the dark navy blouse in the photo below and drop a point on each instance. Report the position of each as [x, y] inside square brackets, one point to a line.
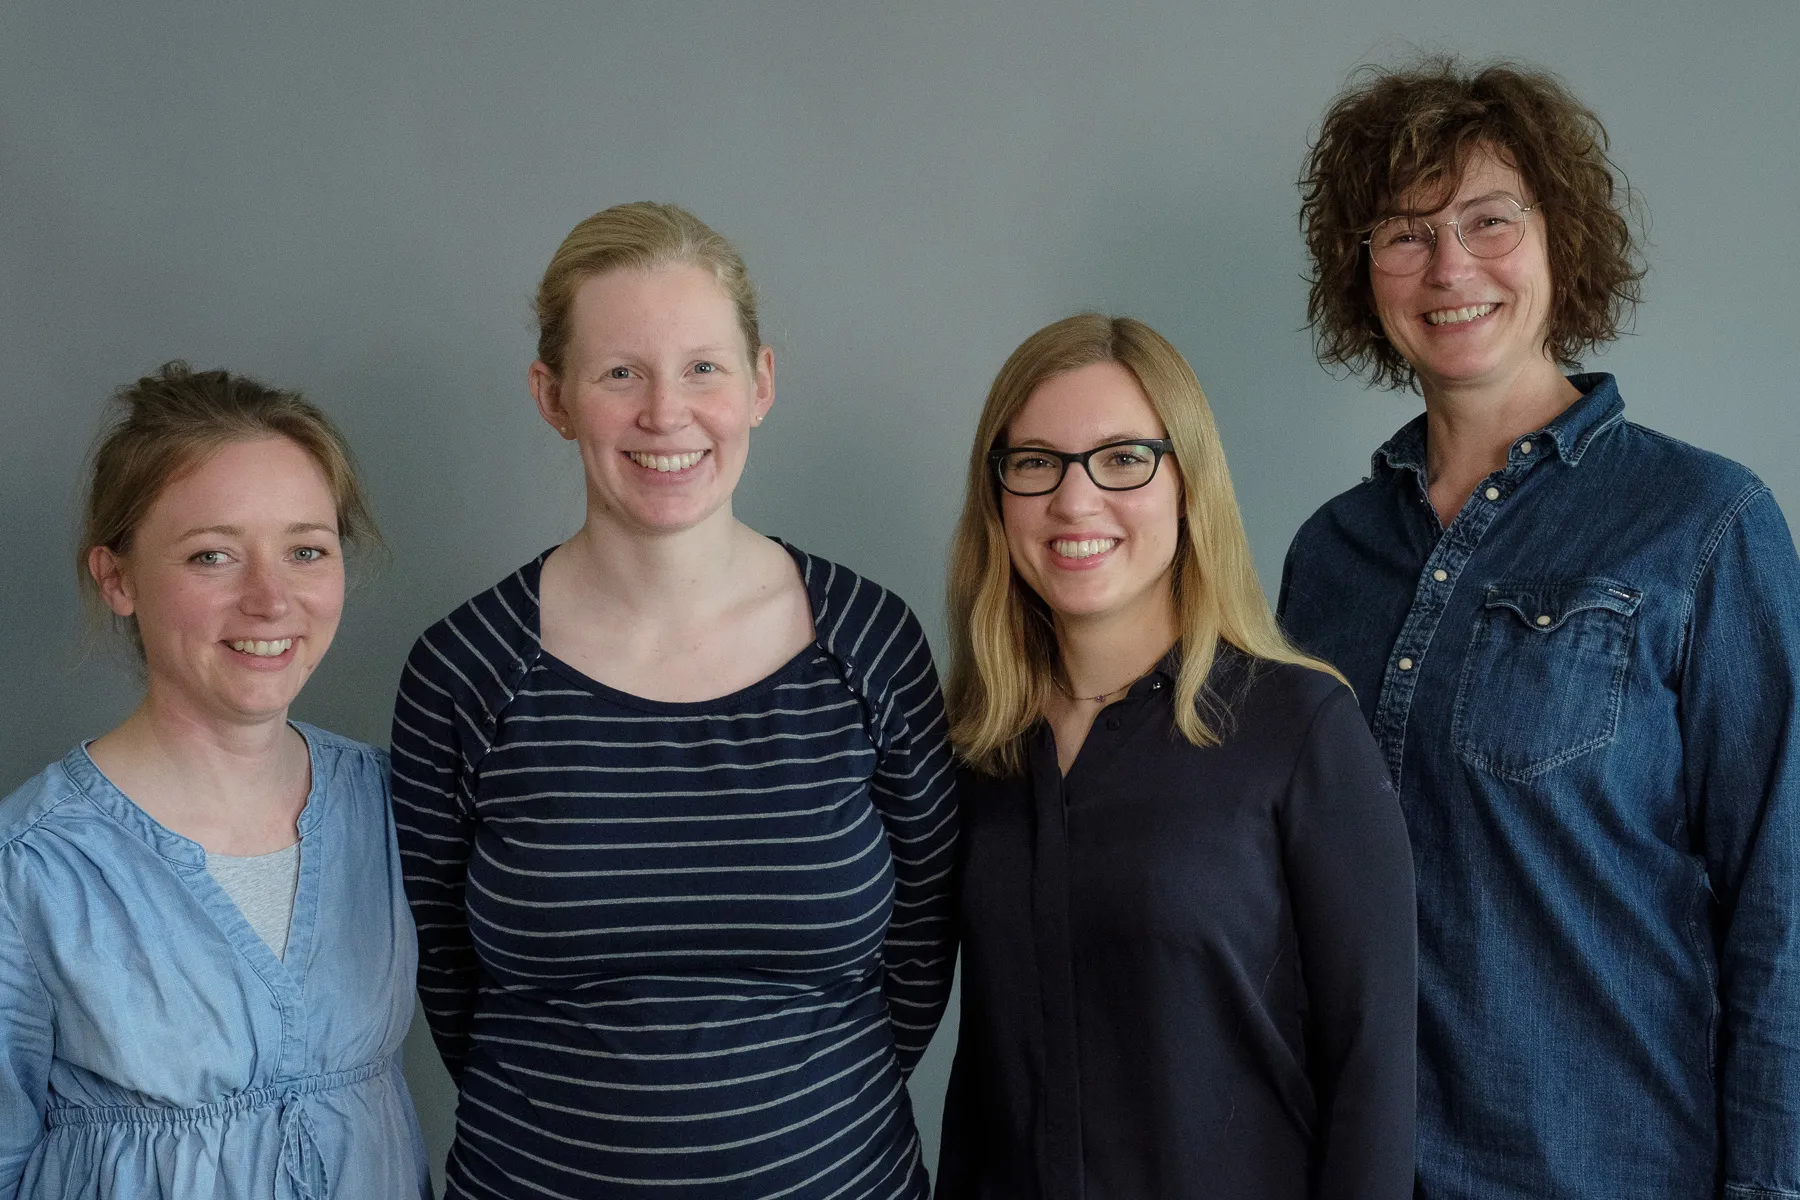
[1188, 971]
[680, 949]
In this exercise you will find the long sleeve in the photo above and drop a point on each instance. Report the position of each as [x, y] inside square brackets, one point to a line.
[914, 789]
[1350, 878]
[27, 1039]
[433, 823]
[1740, 728]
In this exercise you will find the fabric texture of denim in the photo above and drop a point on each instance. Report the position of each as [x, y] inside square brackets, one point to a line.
[152, 1045]
[1587, 690]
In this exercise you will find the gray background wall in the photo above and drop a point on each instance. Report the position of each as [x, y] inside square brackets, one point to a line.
[356, 199]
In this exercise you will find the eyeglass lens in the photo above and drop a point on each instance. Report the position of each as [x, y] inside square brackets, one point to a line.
[1488, 228]
[1116, 468]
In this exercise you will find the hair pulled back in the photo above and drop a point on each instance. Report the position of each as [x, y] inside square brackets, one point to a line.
[172, 422]
[640, 236]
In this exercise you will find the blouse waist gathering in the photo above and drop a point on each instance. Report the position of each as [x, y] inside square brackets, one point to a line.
[288, 1092]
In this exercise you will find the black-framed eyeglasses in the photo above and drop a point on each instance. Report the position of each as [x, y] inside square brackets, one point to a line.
[1114, 467]
[1487, 227]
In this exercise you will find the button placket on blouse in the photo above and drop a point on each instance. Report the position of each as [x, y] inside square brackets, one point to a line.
[1059, 1099]
[1437, 580]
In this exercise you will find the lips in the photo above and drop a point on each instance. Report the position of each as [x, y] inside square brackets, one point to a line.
[1079, 548]
[259, 648]
[666, 464]
[1459, 316]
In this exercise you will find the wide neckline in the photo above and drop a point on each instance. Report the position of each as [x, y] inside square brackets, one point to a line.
[794, 666]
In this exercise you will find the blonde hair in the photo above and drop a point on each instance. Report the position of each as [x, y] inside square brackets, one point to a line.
[1003, 660]
[175, 420]
[640, 236]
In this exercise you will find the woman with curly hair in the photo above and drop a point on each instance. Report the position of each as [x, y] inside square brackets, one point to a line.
[1577, 642]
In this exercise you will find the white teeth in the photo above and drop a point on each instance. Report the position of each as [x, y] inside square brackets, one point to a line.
[1456, 316]
[1085, 548]
[263, 649]
[667, 462]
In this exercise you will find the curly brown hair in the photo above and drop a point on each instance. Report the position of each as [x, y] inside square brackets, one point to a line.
[1393, 131]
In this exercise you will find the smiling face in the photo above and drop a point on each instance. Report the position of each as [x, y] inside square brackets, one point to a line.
[660, 391]
[1092, 554]
[1466, 322]
[236, 578]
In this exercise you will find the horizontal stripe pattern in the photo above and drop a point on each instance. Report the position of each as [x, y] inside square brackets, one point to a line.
[679, 949]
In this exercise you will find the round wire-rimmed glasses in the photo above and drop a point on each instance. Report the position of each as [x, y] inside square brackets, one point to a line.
[1487, 227]
[1114, 467]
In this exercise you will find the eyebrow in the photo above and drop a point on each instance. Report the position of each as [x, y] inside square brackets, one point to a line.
[1105, 440]
[238, 530]
[1497, 194]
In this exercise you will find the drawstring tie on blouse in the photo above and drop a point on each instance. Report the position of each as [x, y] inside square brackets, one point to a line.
[300, 1174]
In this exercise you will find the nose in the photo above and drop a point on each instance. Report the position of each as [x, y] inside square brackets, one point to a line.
[1449, 261]
[665, 407]
[265, 592]
[1077, 495]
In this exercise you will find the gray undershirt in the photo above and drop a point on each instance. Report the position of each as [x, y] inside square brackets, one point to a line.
[263, 888]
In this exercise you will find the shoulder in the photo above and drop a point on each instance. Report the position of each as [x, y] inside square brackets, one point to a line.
[1349, 509]
[859, 622]
[348, 772]
[1681, 471]
[1286, 696]
[336, 752]
[39, 800]
[490, 631]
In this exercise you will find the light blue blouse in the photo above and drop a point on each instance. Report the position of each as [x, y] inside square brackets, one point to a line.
[151, 1044]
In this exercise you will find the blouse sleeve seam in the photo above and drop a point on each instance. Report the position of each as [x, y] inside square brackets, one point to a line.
[37, 973]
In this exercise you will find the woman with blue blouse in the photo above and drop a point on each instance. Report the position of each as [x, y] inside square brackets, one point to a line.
[206, 962]
[674, 799]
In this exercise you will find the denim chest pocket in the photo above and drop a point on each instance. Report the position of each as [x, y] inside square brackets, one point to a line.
[1544, 674]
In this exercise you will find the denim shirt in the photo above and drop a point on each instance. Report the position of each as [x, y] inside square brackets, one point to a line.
[153, 1046]
[1587, 690]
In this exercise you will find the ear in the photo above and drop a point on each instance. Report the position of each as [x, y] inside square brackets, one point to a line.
[765, 384]
[109, 573]
[546, 389]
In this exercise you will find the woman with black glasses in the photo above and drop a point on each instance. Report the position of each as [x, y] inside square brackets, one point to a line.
[1187, 905]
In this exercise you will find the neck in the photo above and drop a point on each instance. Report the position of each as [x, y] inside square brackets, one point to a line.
[1469, 429]
[660, 575]
[207, 763]
[1104, 655]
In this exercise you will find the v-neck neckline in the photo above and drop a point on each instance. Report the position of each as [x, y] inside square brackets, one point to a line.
[285, 975]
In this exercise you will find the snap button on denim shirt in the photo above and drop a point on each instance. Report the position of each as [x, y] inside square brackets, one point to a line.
[1587, 690]
[152, 1045]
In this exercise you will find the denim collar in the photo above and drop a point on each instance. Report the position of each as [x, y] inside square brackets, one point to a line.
[1573, 430]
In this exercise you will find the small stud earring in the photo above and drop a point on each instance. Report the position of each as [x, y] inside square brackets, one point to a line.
[756, 420]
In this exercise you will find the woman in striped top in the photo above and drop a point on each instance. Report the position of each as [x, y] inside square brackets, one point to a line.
[674, 799]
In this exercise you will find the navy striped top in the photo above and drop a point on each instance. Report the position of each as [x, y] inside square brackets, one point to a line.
[679, 949]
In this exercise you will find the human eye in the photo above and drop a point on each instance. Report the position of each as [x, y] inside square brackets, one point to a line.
[703, 367]
[209, 558]
[620, 372]
[1128, 456]
[309, 554]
